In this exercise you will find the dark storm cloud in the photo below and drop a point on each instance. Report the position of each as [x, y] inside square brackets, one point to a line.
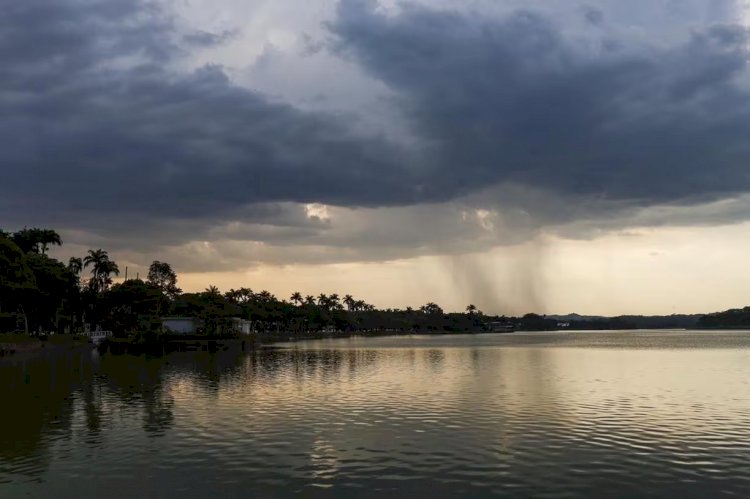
[103, 135]
[93, 121]
[516, 100]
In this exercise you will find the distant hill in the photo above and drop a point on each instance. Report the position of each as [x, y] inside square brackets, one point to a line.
[734, 318]
[675, 321]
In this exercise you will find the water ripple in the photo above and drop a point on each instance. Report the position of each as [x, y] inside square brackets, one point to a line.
[650, 414]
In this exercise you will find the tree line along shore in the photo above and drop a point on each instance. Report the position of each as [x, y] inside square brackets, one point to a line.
[40, 295]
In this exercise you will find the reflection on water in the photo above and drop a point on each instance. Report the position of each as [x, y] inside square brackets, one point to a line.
[525, 414]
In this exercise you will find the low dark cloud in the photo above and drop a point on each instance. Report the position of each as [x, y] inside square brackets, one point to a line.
[93, 119]
[516, 124]
[516, 100]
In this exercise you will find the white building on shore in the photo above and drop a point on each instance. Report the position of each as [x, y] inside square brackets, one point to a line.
[181, 325]
[191, 325]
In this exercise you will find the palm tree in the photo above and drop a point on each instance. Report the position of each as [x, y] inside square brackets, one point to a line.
[106, 270]
[95, 257]
[245, 295]
[232, 295]
[213, 291]
[102, 269]
[47, 237]
[333, 301]
[239, 296]
[309, 300]
[296, 298]
[350, 303]
[471, 309]
[75, 265]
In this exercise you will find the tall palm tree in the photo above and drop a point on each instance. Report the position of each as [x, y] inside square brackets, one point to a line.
[471, 309]
[333, 301]
[95, 257]
[102, 268]
[350, 303]
[46, 237]
[212, 290]
[296, 298]
[106, 271]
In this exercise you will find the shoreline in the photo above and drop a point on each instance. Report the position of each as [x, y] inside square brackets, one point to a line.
[21, 346]
[16, 346]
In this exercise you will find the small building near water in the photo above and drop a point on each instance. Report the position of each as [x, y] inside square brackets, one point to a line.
[193, 325]
[241, 326]
[181, 325]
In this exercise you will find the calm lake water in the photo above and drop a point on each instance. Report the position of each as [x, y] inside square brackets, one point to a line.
[558, 414]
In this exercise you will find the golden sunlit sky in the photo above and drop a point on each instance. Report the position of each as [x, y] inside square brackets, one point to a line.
[648, 271]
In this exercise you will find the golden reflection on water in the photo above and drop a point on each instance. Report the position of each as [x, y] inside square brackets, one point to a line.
[486, 414]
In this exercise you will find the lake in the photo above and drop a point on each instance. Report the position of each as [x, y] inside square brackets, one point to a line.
[524, 414]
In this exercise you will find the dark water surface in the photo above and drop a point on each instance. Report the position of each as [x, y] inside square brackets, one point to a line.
[559, 414]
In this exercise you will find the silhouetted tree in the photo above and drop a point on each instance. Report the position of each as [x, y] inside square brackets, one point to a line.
[75, 265]
[36, 240]
[240, 296]
[350, 303]
[161, 275]
[48, 237]
[102, 270]
[133, 308]
[17, 283]
[431, 308]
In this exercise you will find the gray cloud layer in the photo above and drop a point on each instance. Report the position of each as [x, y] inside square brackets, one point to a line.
[96, 120]
[514, 100]
[512, 113]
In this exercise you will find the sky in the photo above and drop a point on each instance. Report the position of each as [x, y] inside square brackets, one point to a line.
[527, 156]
